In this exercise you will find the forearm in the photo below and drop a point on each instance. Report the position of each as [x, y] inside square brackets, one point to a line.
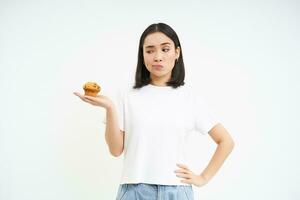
[222, 152]
[113, 137]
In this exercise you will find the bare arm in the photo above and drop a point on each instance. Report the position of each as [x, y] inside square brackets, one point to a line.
[113, 135]
[225, 145]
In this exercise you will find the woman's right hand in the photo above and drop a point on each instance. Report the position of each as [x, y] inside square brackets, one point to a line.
[99, 100]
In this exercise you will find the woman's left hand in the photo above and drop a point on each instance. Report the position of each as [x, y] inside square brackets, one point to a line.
[189, 177]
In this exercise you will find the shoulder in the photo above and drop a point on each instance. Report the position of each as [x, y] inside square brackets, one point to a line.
[124, 90]
[187, 90]
[194, 94]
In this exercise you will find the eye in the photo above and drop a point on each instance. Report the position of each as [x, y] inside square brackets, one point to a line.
[166, 50]
[150, 51]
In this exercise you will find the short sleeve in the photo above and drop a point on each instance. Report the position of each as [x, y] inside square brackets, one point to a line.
[204, 118]
[118, 100]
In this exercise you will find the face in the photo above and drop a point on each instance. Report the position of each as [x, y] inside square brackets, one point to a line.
[159, 55]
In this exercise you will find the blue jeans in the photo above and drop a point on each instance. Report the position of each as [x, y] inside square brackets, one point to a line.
[143, 191]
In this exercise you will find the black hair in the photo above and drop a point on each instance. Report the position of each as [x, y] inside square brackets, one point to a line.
[142, 75]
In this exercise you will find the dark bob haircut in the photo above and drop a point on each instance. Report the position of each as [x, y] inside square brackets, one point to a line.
[142, 75]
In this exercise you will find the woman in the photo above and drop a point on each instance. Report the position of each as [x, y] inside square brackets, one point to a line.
[150, 122]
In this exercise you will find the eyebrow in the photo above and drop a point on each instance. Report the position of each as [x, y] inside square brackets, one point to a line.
[151, 46]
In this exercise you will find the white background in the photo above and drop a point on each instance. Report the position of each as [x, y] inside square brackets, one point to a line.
[243, 56]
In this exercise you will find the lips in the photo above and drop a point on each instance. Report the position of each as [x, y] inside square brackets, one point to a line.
[157, 66]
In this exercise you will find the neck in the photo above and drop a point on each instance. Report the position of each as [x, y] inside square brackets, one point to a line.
[160, 81]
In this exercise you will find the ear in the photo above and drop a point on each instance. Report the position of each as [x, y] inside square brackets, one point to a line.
[177, 52]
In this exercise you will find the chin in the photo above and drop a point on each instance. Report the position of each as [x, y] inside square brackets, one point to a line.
[161, 74]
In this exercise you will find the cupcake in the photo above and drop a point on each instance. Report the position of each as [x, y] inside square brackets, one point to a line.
[91, 89]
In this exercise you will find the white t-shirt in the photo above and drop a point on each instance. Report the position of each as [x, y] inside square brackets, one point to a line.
[157, 121]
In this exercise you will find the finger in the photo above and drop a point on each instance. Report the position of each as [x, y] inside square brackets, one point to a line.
[182, 166]
[182, 175]
[188, 181]
[90, 98]
[81, 97]
[78, 94]
[181, 171]
[88, 101]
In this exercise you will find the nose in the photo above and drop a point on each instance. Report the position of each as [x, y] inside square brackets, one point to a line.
[157, 57]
